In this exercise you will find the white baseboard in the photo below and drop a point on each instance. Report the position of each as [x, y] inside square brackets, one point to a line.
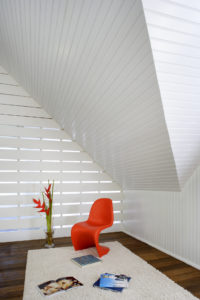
[163, 250]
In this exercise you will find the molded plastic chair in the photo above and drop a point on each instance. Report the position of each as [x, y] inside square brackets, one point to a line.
[86, 234]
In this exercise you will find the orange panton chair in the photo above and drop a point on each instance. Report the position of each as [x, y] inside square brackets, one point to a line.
[86, 234]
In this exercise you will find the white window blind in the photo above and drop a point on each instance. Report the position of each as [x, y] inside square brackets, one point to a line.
[34, 149]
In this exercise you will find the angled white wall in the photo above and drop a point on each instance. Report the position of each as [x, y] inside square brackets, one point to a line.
[33, 149]
[174, 31]
[169, 221]
[89, 64]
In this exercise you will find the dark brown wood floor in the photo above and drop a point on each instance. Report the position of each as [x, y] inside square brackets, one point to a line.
[13, 263]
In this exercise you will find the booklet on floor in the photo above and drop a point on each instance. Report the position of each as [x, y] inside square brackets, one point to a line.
[113, 282]
[62, 284]
[86, 260]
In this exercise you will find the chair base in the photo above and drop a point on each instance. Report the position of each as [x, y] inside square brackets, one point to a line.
[102, 250]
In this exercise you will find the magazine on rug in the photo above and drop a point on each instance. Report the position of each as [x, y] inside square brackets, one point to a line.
[62, 284]
[113, 280]
[105, 282]
[86, 260]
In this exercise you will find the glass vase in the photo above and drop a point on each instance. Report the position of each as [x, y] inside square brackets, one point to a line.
[49, 243]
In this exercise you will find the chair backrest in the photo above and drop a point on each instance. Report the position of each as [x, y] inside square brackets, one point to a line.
[101, 212]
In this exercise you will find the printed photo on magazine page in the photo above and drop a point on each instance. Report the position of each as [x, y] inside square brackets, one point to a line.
[52, 287]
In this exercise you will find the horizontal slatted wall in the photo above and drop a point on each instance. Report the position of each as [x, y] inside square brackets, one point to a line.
[34, 149]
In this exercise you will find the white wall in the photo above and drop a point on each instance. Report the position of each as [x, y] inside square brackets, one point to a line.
[174, 32]
[169, 221]
[33, 149]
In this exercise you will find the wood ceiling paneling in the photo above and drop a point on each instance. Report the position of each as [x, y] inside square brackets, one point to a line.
[90, 65]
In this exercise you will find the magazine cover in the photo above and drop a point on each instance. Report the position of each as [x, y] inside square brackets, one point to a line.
[113, 289]
[113, 280]
[52, 287]
[86, 260]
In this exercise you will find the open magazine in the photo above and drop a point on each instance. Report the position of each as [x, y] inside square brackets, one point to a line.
[52, 287]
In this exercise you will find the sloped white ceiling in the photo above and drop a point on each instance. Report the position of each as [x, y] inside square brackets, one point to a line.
[174, 29]
[89, 64]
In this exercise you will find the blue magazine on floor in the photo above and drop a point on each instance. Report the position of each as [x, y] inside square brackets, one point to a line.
[86, 260]
[114, 289]
[113, 280]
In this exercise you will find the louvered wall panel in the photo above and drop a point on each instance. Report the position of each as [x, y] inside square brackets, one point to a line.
[174, 31]
[6, 79]
[9, 89]
[89, 64]
[17, 101]
[169, 221]
[28, 122]
[34, 149]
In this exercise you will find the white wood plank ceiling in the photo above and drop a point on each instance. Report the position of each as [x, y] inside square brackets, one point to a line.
[174, 30]
[90, 65]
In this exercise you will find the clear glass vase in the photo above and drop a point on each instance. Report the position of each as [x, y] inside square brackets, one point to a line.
[49, 243]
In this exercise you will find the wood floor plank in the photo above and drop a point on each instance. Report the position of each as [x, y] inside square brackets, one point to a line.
[13, 263]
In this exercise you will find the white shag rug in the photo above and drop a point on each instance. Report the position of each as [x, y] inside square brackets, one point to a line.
[147, 283]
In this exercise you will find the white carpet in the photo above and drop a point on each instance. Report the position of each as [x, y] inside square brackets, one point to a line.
[146, 284]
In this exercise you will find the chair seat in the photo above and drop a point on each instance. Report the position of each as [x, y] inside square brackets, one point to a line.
[86, 234]
[92, 226]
